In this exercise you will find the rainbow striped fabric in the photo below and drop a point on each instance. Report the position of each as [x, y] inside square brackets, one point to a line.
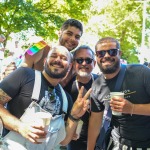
[36, 47]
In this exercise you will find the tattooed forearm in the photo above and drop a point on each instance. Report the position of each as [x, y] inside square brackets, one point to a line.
[4, 98]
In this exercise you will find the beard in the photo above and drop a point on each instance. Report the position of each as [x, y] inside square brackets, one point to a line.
[55, 74]
[83, 74]
[109, 69]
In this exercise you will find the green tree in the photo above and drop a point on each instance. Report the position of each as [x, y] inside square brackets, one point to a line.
[122, 19]
[43, 17]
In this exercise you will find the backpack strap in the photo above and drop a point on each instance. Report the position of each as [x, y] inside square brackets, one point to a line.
[65, 100]
[37, 86]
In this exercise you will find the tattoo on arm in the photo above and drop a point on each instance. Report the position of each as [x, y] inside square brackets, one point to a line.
[4, 98]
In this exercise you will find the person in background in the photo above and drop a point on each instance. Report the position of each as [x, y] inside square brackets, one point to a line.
[131, 129]
[2, 39]
[18, 95]
[83, 65]
[147, 64]
[69, 36]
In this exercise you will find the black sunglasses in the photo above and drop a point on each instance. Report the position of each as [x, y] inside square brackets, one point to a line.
[81, 60]
[111, 52]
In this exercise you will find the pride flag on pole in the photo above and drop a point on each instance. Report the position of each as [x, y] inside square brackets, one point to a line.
[36, 47]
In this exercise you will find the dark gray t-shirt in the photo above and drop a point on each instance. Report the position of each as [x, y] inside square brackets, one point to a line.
[130, 130]
[19, 86]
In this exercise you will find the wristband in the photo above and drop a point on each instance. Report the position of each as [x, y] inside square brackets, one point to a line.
[73, 119]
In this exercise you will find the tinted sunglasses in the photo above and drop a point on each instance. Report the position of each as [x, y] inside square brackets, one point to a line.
[111, 52]
[81, 60]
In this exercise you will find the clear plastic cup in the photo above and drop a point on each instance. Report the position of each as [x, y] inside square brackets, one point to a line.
[44, 119]
[79, 128]
[116, 94]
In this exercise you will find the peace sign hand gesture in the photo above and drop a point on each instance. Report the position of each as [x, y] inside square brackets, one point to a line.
[81, 105]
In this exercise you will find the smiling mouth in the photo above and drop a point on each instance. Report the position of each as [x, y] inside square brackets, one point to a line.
[57, 66]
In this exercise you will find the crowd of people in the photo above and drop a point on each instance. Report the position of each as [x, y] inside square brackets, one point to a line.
[69, 73]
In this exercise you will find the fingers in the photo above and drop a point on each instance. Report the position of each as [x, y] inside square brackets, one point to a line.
[86, 96]
[32, 133]
[80, 92]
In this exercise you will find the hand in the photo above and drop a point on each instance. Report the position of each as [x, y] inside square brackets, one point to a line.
[81, 105]
[121, 105]
[9, 69]
[32, 132]
[75, 137]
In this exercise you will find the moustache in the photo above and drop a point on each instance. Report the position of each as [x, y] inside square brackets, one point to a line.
[83, 67]
[58, 64]
[108, 59]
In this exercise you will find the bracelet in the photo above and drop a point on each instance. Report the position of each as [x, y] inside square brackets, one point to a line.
[72, 118]
[132, 109]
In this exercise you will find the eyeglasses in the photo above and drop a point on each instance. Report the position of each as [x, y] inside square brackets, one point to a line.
[81, 60]
[111, 52]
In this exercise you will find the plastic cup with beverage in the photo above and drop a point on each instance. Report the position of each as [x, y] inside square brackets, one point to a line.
[116, 94]
[79, 128]
[44, 119]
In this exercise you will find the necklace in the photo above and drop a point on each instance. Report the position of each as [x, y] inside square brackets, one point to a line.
[77, 83]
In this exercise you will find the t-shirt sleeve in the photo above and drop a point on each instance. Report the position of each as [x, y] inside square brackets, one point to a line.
[13, 82]
[100, 92]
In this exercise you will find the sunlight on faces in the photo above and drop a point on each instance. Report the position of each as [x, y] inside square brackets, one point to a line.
[84, 69]
[58, 62]
[70, 37]
[108, 64]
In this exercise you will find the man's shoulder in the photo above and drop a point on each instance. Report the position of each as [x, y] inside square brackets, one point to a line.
[99, 83]
[135, 67]
[95, 75]
[25, 70]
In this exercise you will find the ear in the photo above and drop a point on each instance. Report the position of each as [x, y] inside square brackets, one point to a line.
[120, 52]
[59, 33]
[70, 67]
[45, 61]
[94, 63]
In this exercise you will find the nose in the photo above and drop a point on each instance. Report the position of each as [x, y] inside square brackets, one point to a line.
[106, 54]
[84, 62]
[58, 58]
[73, 38]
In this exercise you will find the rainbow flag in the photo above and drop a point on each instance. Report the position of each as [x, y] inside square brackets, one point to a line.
[36, 47]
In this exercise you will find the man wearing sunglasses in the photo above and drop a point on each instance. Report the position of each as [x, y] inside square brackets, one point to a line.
[83, 65]
[131, 129]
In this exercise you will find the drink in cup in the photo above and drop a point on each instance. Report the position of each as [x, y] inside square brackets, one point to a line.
[79, 128]
[116, 94]
[44, 119]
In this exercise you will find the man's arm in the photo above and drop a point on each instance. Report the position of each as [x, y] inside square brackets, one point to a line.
[80, 106]
[95, 123]
[30, 132]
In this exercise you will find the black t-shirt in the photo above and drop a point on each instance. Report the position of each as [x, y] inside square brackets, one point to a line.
[19, 86]
[130, 130]
[72, 89]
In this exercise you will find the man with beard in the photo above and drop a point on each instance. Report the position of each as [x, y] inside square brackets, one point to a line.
[131, 129]
[83, 65]
[69, 36]
[16, 90]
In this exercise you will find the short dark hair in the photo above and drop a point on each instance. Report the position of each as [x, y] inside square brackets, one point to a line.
[108, 39]
[72, 22]
[83, 47]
